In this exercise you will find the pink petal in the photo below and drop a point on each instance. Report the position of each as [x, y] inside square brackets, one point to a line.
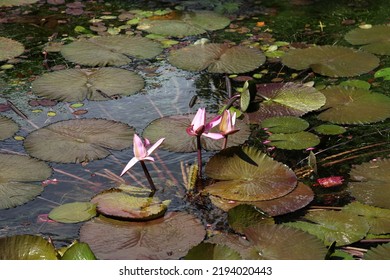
[129, 165]
[139, 149]
[215, 121]
[199, 119]
[215, 136]
[155, 145]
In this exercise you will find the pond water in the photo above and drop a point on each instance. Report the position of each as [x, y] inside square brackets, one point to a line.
[168, 91]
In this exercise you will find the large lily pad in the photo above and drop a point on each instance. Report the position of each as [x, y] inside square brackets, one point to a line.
[16, 173]
[333, 61]
[278, 242]
[380, 252]
[369, 183]
[7, 127]
[247, 174]
[284, 124]
[26, 247]
[173, 128]
[347, 105]
[83, 140]
[110, 50]
[73, 212]
[93, 84]
[217, 58]
[209, 251]
[374, 40]
[286, 99]
[184, 23]
[168, 237]
[9, 48]
[294, 141]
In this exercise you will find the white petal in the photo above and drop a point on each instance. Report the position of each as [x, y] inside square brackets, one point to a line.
[129, 165]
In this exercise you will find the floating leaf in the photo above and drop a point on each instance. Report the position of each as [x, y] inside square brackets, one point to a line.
[286, 124]
[125, 204]
[354, 106]
[83, 139]
[94, 84]
[110, 50]
[294, 141]
[78, 251]
[286, 99]
[369, 183]
[356, 84]
[333, 61]
[374, 40]
[235, 242]
[173, 128]
[330, 129]
[209, 251]
[383, 73]
[244, 215]
[7, 127]
[15, 173]
[9, 48]
[184, 23]
[247, 174]
[380, 252]
[26, 247]
[279, 242]
[73, 212]
[217, 58]
[168, 237]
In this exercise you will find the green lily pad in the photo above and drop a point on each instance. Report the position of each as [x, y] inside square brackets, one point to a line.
[247, 174]
[110, 50]
[369, 183]
[125, 204]
[17, 174]
[173, 128]
[9, 48]
[233, 241]
[374, 40]
[294, 141]
[83, 139]
[26, 247]
[73, 212]
[356, 83]
[93, 84]
[286, 124]
[333, 61]
[383, 73]
[217, 58]
[279, 242]
[380, 252]
[184, 23]
[286, 99]
[7, 127]
[78, 251]
[354, 106]
[334, 226]
[330, 129]
[168, 237]
[209, 251]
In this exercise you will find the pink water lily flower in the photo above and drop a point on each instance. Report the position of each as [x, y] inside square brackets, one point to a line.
[199, 126]
[228, 121]
[141, 152]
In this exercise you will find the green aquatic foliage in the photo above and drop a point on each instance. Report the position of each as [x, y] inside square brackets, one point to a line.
[284, 124]
[9, 48]
[330, 129]
[73, 212]
[78, 251]
[374, 40]
[380, 252]
[383, 73]
[209, 251]
[293, 141]
[7, 127]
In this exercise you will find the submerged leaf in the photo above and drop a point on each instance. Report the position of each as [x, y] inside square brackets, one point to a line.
[7, 127]
[9, 48]
[83, 139]
[374, 40]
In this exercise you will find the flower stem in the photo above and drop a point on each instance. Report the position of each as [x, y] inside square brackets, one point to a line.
[152, 186]
[225, 140]
[199, 147]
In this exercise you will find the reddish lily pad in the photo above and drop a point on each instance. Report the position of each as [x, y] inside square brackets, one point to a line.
[374, 40]
[10, 48]
[247, 174]
[168, 237]
[7, 127]
[217, 58]
[83, 139]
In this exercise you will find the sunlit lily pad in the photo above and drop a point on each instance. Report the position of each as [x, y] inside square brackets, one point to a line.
[94, 84]
[184, 23]
[286, 99]
[73, 212]
[217, 58]
[354, 106]
[298, 198]
[333, 61]
[83, 140]
[16, 171]
[7, 127]
[294, 141]
[374, 40]
[168, 237]
[110, 50]
[209, 251]
[279, 242]
[334, 226]
[127, 205]
[380, 252]
[369, 183]
[10, 48]
[78, 251]
[173, 128]
[247, 174]
[286, 124]
[330, 129]
[26, 247]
